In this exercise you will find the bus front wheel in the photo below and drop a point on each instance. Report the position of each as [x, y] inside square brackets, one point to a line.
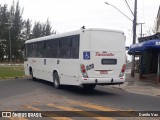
[31, 73]
[56, 80]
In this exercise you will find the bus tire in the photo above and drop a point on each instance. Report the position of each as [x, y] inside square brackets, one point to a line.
[56, 80]
[31, 73]
[89, 86]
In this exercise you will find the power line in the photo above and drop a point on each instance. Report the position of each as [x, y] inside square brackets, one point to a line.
[129, 7]
[118, 10]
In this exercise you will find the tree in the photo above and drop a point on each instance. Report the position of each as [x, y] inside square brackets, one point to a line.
[12, 24]
[26, 32]
[153, 29]
[37, 30]
[48, 28]
[4, 16]
[16, 22]
[41, 29]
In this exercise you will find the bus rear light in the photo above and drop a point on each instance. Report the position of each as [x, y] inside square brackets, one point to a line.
[82, 66]
[123, 68]
[122, 71]
[83, 71]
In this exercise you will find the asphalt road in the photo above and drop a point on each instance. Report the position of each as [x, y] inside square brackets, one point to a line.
[101, 95]
[25, 94]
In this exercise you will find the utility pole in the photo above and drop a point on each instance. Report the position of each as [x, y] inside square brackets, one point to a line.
[134, 31]
[10, 47]
[10, 42]
[134, 36]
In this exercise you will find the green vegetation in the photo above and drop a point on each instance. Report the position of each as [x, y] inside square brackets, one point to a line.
[8, 71]
[13, 27]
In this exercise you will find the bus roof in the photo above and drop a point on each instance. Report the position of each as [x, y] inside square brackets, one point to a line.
[69, 34]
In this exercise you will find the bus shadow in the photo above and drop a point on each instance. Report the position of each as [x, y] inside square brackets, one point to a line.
[77, 90]
[80, 91]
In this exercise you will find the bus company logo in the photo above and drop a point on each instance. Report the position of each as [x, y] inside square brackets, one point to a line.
[21, 114]
[104, 54]
[6, 114]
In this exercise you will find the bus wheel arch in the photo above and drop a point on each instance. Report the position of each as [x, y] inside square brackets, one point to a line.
[56, 80]
[30, 70]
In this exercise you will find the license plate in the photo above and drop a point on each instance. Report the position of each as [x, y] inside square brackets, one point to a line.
[103, 72]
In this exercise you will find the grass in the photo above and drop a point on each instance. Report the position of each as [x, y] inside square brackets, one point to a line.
[8, 71]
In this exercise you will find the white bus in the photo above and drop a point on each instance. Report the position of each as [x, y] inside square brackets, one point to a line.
[86, 57]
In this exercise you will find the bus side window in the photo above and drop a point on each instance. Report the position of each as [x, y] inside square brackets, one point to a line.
[55, 48]
[36, 49]
[75, 47]
[65, 47]
[44, 47]
[48, 51]
[30, 48]
[33, 50]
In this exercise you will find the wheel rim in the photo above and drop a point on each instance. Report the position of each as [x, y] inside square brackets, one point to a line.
[56, 83]
[32, 74]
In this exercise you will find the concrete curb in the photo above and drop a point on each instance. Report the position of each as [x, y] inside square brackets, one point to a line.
[16, 77]
[141, 91]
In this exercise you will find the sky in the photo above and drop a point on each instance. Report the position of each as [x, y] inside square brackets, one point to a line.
[68, 15]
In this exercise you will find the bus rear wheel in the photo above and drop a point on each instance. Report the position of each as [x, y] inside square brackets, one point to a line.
[56, 80]
[89, 86]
